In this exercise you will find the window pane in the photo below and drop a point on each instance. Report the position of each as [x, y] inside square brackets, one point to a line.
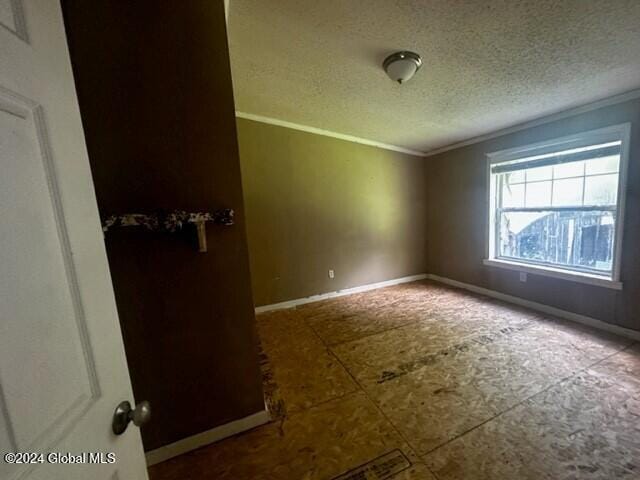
[538, 194]
[601, 190]
[567, 192]
[603, 165]
[514, 177]
[571, 169]
[561, 215]
[540, 173]
[513, 196]
[582, 240]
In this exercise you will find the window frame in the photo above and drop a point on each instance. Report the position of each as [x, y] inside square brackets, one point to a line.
[622, 133]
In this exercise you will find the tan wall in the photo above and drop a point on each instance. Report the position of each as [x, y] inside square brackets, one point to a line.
[155, 93]
[457, 216]
[316, 203]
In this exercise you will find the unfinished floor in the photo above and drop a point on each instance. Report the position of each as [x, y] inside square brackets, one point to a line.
[422, 381]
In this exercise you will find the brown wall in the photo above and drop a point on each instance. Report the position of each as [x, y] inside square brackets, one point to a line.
[457, 215]
[155, 93]
[316, 203]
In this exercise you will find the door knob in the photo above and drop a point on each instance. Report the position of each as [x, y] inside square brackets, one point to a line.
[125, 414]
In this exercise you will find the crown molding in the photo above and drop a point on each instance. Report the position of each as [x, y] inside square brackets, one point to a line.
[605, 102]
[623, 97]
[327, 133]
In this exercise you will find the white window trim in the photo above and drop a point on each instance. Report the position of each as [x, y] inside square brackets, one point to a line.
[545, 271]
[620, 132]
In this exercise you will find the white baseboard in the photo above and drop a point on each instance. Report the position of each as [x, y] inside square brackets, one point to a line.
[339, 293]
[205, 438]
[232, 428]
[575, 317]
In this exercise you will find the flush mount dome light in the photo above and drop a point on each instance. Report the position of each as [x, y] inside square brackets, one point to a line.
[401, 66]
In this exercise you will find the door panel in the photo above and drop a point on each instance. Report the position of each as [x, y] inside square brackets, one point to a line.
[12, 17]
[40, 280]
[62, 364]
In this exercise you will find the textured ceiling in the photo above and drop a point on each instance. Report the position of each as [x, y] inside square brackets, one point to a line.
[487, 64]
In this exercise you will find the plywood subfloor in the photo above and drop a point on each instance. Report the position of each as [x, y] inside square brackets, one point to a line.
[464, 387]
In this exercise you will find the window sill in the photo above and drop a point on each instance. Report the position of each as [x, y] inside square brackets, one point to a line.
[555, 273]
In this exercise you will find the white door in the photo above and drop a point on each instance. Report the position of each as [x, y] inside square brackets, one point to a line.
[62, 364]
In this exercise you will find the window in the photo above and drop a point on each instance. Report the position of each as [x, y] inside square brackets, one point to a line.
[556, 207]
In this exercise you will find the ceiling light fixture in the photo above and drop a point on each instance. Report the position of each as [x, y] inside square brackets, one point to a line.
[401, 66]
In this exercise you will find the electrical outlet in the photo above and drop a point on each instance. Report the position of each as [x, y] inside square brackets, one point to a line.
[331, 274]
[523, 276]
